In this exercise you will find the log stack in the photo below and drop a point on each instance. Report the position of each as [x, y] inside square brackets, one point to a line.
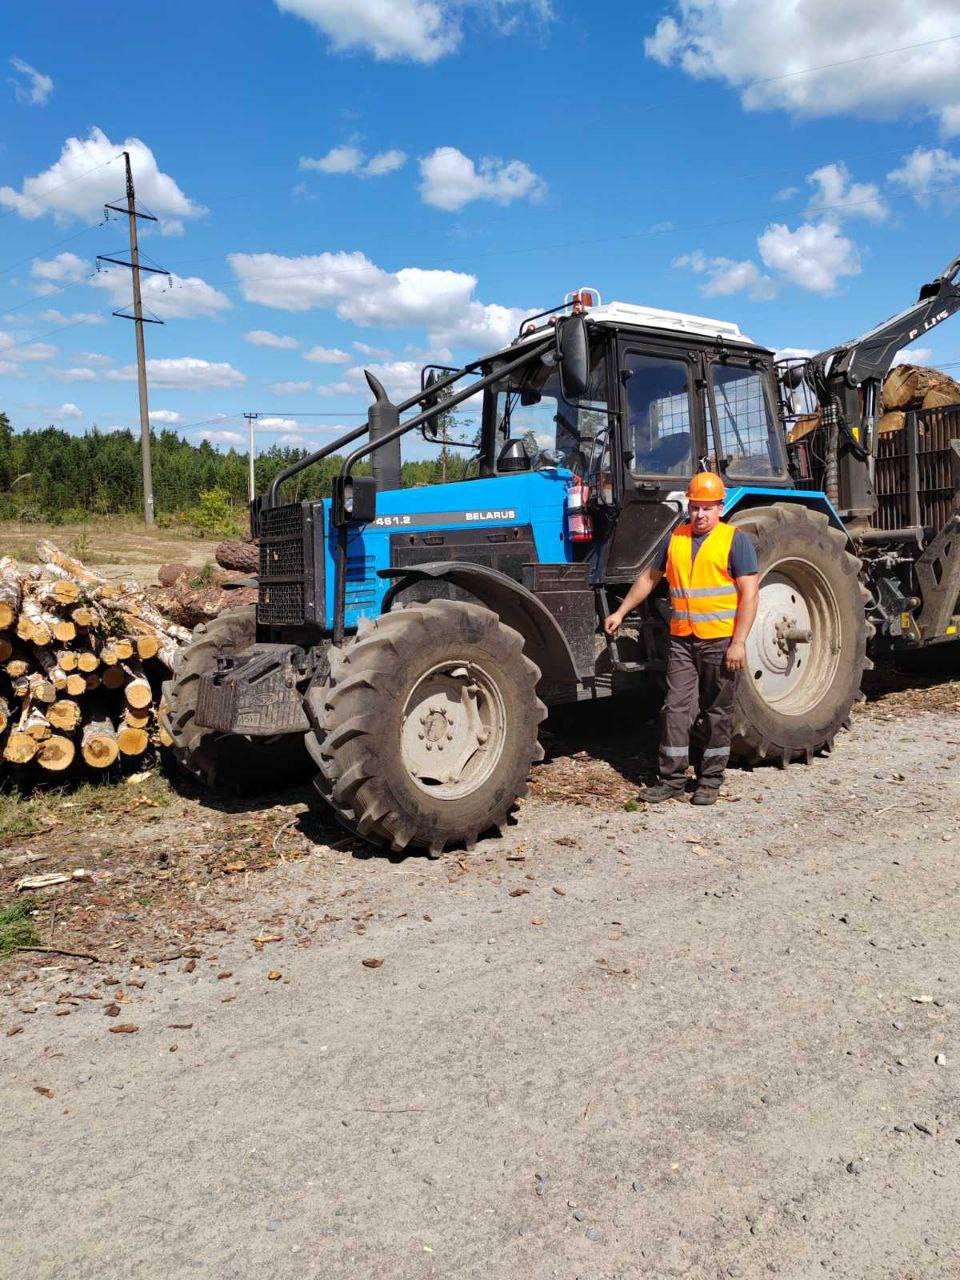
[906, 386]
[82, 659]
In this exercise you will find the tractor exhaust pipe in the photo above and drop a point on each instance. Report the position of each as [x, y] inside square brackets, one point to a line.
[382, 417]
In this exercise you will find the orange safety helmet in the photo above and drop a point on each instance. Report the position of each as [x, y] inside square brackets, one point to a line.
[706, 487]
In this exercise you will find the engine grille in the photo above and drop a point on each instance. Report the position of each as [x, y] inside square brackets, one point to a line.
[286, 597]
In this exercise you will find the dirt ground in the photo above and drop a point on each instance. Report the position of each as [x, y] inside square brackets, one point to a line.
[618, 1042]
[118, 546]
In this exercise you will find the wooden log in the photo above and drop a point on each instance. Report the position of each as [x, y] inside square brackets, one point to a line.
[67, 591]
[93, 681]
[19, 747]
[108, 655]
[137, 692]
[4, 713]
[56, 754]
[87, 661]
[891, 421]
[76, 684]
[98, 742]
[64, 630]
[137, 719]
[148, 646]
[50, 553]
[47, 662]
[140, 607]
[36, 724]
[123, 648]
[67, 659]
[41, 689]
[131, 741]
[20, 686]
[11, 592]
[33, 624]
[18, 664]
[940, 398]
[64, 714]
[150, 642]
[113, 677]
[168, 574]
[242, 557]
[84, 615]
[6, 649]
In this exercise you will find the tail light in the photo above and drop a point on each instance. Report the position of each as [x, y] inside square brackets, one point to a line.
[579, 524]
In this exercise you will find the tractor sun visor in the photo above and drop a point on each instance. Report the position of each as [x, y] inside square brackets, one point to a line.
[354, 500]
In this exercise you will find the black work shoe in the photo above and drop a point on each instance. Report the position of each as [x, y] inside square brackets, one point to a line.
[654, 795]
[704, 795]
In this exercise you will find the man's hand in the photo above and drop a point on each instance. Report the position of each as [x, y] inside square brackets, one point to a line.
[613, 622]
[736, 656]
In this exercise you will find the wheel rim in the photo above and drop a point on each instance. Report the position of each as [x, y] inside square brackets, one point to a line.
[452, 730]
[794, 646]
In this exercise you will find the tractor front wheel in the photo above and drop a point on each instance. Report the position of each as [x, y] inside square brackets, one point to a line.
[426, 728]
[807, 650]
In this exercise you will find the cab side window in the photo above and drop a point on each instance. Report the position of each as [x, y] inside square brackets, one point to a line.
[747, 427]
[658, 420]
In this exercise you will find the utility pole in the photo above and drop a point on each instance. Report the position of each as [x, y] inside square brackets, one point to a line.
[251, 419]
[138, 318]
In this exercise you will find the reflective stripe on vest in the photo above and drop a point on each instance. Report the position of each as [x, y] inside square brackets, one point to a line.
[702, 592]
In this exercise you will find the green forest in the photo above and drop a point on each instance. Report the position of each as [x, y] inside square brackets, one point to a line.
[51, 476]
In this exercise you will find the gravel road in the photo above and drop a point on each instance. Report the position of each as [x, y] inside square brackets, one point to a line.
[611, 1044]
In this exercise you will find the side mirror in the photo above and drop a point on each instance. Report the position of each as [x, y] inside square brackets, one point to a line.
[430, 400]
[572, 355]
[354, 500]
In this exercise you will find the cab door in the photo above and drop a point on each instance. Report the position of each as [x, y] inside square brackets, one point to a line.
[662, 440]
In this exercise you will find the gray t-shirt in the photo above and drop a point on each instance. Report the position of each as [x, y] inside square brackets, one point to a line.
[742, 561]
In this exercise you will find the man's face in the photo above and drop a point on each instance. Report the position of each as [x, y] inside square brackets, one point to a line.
[704, 516]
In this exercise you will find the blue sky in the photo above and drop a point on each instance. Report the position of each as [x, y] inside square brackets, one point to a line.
[379, 182]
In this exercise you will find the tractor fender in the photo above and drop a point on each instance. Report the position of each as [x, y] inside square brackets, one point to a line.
[544, 641]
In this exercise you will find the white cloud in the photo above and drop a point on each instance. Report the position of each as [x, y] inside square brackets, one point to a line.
[222, 437]
[814, 256]
[913, 355]
[68, 410]
[52, 316]
[340, 160]
[950, 121]
[928, 172]
[378, 353]
[51, 275]
[290, 388]
[30, 85]
[94, 357]
[835, 194]
[452, 180]
[264, 338]
[326, 355]
[814, 58]
[166, 417]
[418, 30]
[185, 372]
[31, 351]
[73, 375]
[85, 177]
[168, 298]
[360, 291]
[10, 370]
[277, 424]
[726, 275]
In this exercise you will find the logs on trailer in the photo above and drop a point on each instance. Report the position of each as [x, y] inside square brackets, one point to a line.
[82, 659]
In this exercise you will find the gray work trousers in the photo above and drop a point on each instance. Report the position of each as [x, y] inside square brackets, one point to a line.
[698, 683]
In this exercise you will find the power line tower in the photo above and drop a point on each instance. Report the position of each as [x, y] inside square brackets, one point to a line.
[251, 419]
[135, 266]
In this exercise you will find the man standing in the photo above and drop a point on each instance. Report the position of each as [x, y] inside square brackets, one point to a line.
[712, 572]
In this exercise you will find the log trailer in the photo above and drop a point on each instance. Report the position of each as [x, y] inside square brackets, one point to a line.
[413, 639]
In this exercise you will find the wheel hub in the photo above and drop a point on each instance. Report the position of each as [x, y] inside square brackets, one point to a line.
[452, 730]
[788, 650]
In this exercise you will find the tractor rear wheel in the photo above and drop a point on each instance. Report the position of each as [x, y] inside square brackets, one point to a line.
[426, 728]
[807, 651]
[224, 761]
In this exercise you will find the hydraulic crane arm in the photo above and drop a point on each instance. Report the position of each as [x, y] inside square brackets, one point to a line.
[870, 356]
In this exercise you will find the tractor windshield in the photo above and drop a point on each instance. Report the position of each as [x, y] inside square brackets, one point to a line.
[529, 407]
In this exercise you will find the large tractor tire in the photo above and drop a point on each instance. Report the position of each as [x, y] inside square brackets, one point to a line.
[426, 728]
[223, 761]
[796, 693]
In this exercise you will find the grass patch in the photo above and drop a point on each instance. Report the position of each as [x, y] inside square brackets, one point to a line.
[26, 815]
[16, 926]
[19, 815]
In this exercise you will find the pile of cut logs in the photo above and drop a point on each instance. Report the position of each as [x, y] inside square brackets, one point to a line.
[81, 663]
[906, 386]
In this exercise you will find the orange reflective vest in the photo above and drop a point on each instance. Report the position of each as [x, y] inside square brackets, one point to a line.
[703, 595]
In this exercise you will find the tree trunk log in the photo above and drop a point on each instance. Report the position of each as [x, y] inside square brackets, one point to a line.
[11, 592]
[242, 557]
[98, 742]
[56, 754]
[132, 742]
[64, 714]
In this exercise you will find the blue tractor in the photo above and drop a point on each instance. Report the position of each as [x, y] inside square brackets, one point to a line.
[413, 639]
